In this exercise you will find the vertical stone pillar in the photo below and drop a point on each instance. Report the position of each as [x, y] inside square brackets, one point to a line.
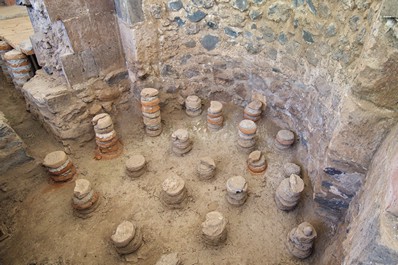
[301, 240]
[193, 106]
[288, 193]
[108, 144]
[5, 47]
[19, 67]
[253, 111]
[59, 166]
[151, 111]
[214, 229]
[174, 192]
[237, 190]
[85, 200]
[215, 119]
[247, 135]
[127, 238]
[256, 163]
[180, 142]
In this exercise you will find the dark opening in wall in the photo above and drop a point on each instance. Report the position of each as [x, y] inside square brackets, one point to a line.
[130, 11]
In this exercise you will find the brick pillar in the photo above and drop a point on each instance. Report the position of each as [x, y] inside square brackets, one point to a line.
[4, 47]
[19, 66]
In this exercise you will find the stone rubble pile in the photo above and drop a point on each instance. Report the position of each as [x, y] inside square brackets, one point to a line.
[288, 193]
[127, 238]
[108, 144]
[301, 240]
[59, 166]
[151, 111]
[247, 135]
[193, 106]
[236, 190]
[214, 228]
[85, 200]
[206, 168]
[173, 192]
[253, 111]
[215, 119]
[284, 139]
[180, 142]
[19, 67]
[136, 166]
[256, 163]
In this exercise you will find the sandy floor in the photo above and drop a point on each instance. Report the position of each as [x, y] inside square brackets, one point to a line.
[43, 230]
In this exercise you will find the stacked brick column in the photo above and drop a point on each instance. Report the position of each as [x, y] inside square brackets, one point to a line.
[19, 66]
[5, 47]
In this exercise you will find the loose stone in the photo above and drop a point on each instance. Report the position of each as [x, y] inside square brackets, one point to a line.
[85, 200]
[127, 238]
[59, 166]
[236, 190]
[135, 166]
[301, 240]
[288, 193]
[214, 229]
[206, 168]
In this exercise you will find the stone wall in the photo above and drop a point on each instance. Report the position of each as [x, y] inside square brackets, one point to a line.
[313, 60]
[78, 45]
[80, 38]
[12, 148]
[369, 232]
[50, 40]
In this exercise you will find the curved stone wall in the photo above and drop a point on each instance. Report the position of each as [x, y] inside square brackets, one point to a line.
[316, 62]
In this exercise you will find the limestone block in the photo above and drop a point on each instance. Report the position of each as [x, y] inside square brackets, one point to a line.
[360, 131]
[89, 64]
[109, 56]
[371, 237]
[63, 10]
[69, 9]
[389, 9]
[57, 106]
[72, 68]
[36, 40]
[97, 32]
[376, 79]
[129, 11]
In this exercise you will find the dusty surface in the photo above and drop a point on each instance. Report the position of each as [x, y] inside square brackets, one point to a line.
[16, 28]
[43, 230]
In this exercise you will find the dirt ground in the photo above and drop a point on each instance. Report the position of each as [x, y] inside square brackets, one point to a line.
[38, 214]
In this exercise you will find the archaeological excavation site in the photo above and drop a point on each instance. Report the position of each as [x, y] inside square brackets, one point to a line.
[198, 132]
